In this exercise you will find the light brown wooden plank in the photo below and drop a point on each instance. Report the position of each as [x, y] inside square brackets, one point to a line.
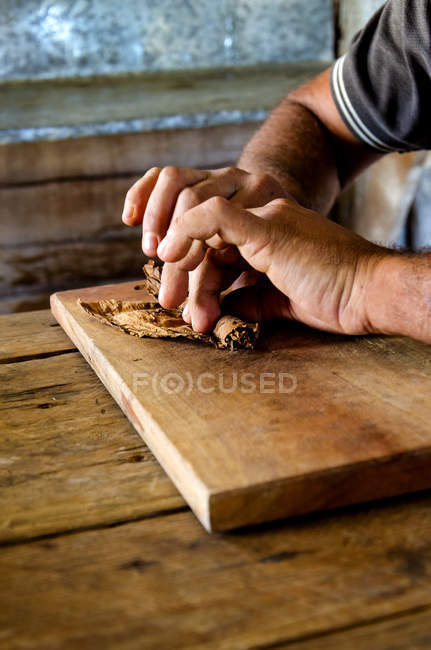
[165, 583]
[68, 457]
[355, 428]
[25, 301]
[31, 334]
[70, 263]
[50, 103]
[74, 221]
[93, 157]
[63, 211]
[400, 631]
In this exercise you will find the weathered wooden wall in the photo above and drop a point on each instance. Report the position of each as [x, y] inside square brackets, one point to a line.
[61, 199]
[186, 81]
[61, 206]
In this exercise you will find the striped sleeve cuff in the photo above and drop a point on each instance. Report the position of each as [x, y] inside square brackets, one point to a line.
[350, 115]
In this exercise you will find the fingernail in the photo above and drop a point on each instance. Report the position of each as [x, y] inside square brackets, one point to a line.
[161, 248]
[164, 244]
[197, 325]
[186, 311]
[161, 294]
[128, 212]
[150, 244]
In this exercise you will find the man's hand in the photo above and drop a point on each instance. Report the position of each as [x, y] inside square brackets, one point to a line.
[162, 194]
[320, 273]
[165, 194]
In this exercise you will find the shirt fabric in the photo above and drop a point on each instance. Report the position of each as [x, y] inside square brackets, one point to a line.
[382, 86]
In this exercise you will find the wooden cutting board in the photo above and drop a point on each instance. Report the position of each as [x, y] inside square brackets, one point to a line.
[307, 421]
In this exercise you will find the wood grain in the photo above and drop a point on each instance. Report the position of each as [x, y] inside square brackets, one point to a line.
[25, 336]
[71, 262]
[74, 191]
[165, 583]
[356, 578]
[132, 153]
[356, 427]
[410, 629]
[64, 211]
[50, 103]
[26, 301]
[68, 457]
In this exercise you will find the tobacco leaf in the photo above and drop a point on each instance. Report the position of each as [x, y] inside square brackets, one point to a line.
[149, 319]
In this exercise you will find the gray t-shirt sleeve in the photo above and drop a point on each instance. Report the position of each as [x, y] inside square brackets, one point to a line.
[382, 86]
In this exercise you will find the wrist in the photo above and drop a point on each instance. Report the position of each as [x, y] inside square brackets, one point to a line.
[381, 291]
[398, 295]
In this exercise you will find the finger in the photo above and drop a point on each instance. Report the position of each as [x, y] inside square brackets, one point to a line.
[270, 210]
[174, 281]
[186, 314]
[161, 203]
[137, 197]
[173, 286]
[220, 182]
[206, 283]
[204, 291]
[223, 182]
[217, 222]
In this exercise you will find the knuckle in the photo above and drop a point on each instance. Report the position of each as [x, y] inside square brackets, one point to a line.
[231, 170]
[217, 203]
[258, 182]
[189, 196]
[178, 222]
[152, 171]
[170, 174]
[279, 204]
[268, 183]
[265, 180]
[259, 178]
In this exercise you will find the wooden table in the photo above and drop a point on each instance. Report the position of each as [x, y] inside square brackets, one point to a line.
[100, 551]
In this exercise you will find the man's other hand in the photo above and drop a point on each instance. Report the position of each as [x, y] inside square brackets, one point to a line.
[319, 272]
[163, 194]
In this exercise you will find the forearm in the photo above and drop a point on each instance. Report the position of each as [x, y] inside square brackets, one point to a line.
[399, 296]
[292, 146]
[306, 145]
